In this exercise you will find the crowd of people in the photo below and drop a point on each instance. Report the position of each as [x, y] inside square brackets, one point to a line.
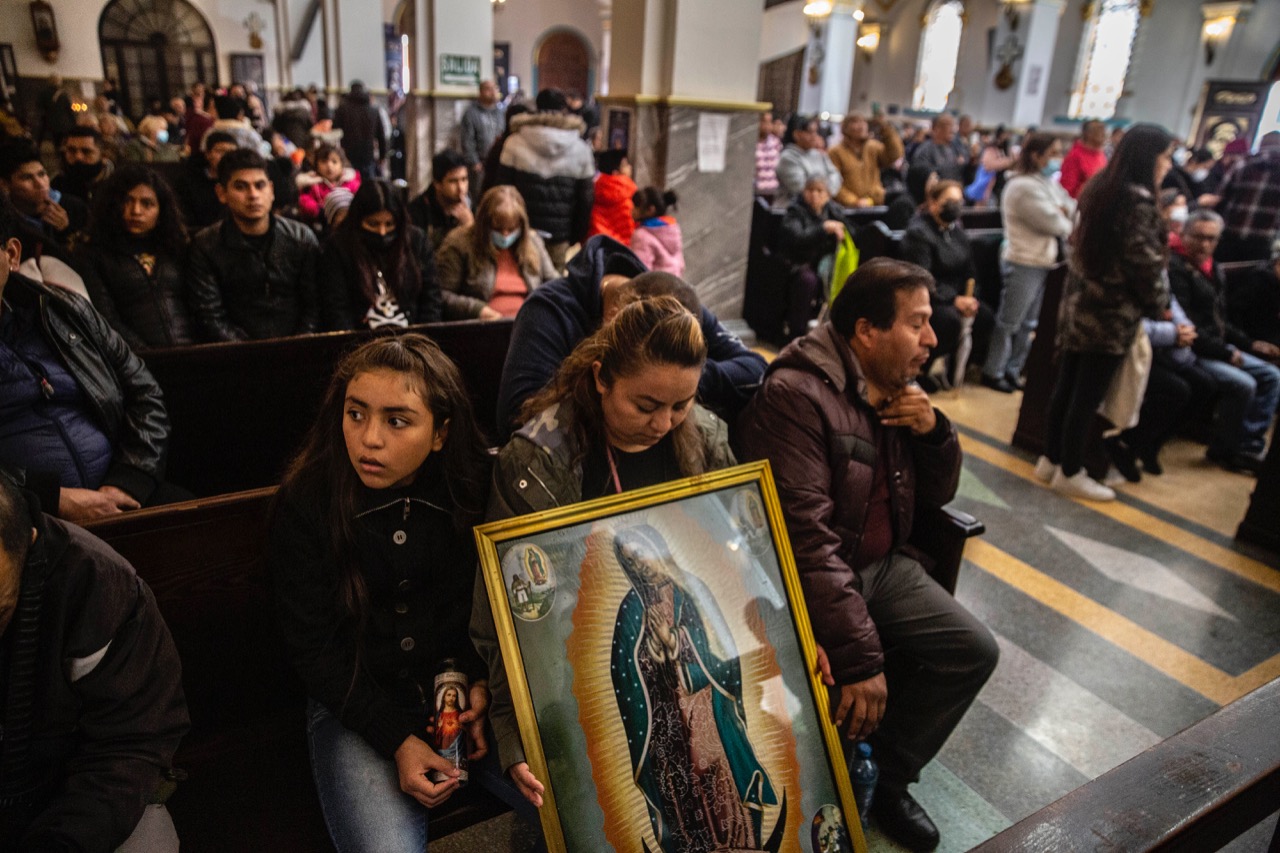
[1197, 369]
[616, 378]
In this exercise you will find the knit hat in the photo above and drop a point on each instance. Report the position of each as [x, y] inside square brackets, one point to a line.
[338, 199]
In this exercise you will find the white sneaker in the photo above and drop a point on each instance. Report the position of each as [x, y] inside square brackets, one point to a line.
[1081, 485]
[1113, 477]
[1045, 469]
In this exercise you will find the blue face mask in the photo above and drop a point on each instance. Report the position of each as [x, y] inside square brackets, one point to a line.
[504, 241]
[162, 136]
[1052, 167]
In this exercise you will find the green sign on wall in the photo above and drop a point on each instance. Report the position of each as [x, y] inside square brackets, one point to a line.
[458, 70]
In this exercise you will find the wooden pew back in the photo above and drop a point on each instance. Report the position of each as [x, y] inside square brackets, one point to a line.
[238, 411]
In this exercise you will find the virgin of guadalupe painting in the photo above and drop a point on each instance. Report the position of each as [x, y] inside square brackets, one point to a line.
[681, 705]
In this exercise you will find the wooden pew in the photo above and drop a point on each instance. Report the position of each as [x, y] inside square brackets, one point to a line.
[238, 411]
[1194, 791]
[248, 785]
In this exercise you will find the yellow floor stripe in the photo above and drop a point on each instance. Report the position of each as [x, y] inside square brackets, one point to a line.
[1152, 649]
[1224, 558]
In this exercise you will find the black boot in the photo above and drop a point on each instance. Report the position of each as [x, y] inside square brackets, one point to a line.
[900, 817]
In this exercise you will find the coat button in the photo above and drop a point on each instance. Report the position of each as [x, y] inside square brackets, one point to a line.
[402, 608]
[407, 644]
[404, 586]
[402, 674]
[524, 484]
[399, 537]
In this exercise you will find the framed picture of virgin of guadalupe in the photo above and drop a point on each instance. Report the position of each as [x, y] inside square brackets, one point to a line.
[663, 673]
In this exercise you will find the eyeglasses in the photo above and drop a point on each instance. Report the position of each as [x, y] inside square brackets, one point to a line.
[1202, 238]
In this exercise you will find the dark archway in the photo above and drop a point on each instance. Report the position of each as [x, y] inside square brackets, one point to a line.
[562, 60]
[155, 49]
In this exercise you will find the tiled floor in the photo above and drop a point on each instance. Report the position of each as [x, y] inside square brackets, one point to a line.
[1119, 625]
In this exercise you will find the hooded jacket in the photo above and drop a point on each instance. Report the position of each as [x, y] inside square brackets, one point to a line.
[561, 313]
[124, 398]
[659, 245]
[93, 709]
[546, 159]
[812, 421]
[611, 209]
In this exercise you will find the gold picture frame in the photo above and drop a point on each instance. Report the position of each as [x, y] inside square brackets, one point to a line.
[663, 672]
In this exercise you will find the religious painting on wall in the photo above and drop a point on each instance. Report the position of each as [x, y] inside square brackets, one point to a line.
[1228, 110]
[663, 673]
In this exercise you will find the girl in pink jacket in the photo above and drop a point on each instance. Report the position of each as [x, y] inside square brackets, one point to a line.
[656, 240]
[331, 172]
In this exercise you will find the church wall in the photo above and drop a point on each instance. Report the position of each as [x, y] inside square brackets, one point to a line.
[310, 66]
[524, 24]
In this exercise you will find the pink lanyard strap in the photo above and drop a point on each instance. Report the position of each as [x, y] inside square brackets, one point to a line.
[613, 468]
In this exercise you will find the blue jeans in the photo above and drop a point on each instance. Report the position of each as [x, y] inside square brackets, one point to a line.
[1017, 318]
[1247, 401]
[359, 790]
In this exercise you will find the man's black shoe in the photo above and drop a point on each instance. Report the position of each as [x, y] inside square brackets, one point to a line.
[1240, 461]
[900, 817]
[1123, 457]
[998, 383]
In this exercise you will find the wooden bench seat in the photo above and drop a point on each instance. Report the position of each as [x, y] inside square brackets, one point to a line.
[238, 411]
[248, 785]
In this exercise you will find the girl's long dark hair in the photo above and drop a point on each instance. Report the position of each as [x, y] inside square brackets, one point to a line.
[658, 330]
[322, 471]
[1109, 196]
[106, 227]
[402, 271]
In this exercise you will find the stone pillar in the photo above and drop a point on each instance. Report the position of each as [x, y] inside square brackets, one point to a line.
[834, 44]
[1039, 28]
[458, 28]
[667, 75]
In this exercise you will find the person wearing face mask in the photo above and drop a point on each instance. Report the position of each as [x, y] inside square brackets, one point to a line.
[151, 145]
[375, 270]
[936, 240]
[1173, 211]
[1036, 212]
[83, 166]
[486, 269]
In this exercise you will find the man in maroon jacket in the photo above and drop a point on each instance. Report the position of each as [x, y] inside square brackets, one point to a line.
[855, 447]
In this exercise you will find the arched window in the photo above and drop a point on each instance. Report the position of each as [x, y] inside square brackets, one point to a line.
[939, 53]
[1104, 59]
[155, 49]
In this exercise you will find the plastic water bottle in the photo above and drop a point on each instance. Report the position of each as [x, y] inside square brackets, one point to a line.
[864, 773]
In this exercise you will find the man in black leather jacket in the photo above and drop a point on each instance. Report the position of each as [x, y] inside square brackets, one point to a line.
[252, 275]
[83, 423]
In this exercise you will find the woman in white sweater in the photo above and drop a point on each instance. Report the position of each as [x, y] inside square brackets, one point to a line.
[803, 157]
[1037, 213]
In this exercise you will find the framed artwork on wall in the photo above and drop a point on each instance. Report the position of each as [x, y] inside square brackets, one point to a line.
[663, 672]
[249, 66]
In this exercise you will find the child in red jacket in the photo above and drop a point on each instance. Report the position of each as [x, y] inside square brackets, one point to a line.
[611, 210]
[331, 172]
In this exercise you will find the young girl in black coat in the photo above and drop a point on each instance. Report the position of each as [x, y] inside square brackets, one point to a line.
[374, 562]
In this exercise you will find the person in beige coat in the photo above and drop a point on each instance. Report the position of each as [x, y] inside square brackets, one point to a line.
[486, 269]
[859, 157]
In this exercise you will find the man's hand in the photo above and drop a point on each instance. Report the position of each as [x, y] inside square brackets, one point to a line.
[1265, 349]
[528, 784]
[414, 758]
[865, 201]
[1237, 358]
[862, 705]
[487, 313]
[1208, 200]
[910, 408]
[835, 229]
[473, 719]
[461, 212]
[966, 305]
[81, 505]
[55, 215]
[1186, 335]
[824, 666]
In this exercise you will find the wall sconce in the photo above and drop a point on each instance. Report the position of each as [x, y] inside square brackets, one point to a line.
[1013, 12]
[869, 40]
[498, 4]
[1219, 20]
[817, 12]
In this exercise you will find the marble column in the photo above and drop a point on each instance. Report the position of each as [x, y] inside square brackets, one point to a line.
[665, 72]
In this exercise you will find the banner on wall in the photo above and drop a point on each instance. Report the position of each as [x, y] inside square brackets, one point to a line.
[458, 70]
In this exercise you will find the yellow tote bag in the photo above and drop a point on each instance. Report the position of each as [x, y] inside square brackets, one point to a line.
[846, 262]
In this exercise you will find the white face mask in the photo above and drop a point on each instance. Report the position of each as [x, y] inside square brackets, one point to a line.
[1178, 215]
[1198, 175]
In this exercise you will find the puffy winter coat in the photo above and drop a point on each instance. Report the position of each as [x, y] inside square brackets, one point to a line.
[546, 159]
[611, 210]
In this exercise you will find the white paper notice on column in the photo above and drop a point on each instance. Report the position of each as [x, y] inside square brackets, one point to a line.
[713, 138]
